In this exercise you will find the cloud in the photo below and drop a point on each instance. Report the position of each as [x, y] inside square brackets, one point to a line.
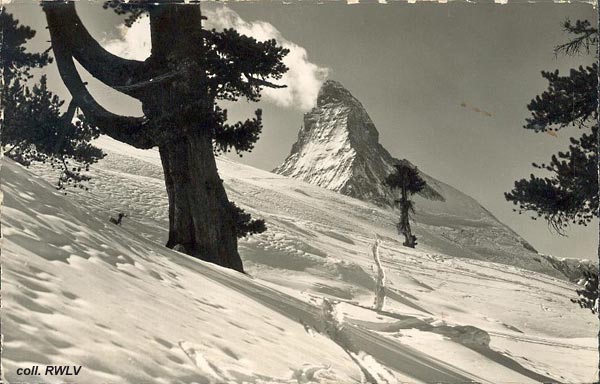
[303, 79]
[133, 42]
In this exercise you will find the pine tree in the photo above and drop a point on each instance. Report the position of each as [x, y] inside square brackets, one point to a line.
[33, 127]
[588, 294]
[16, 61]
[569, 194]
[406, 178]
[244, 224]
[189, 71]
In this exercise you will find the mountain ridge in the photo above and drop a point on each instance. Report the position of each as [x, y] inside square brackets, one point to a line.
[338, 148]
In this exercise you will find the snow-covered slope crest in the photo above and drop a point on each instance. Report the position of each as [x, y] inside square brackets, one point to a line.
[78, 290]
[338, 148]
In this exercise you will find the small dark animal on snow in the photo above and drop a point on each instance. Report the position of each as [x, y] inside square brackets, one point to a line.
[118, 221]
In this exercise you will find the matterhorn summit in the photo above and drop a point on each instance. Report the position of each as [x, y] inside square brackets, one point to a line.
[338, 148]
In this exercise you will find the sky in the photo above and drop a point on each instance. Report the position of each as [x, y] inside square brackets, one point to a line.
[422, 71]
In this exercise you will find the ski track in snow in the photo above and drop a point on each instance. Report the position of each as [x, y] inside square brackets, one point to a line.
[78, 290]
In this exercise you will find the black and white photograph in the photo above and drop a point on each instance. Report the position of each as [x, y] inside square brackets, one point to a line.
[299, 192]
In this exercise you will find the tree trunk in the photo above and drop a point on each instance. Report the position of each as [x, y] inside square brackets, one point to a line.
[598, 166]
[404, 225]
[200, 221]
[380, 284]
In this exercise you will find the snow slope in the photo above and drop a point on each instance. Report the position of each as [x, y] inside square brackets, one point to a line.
[78, 290]
[338, 148]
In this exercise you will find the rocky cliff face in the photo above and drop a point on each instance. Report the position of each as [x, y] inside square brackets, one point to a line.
[338, 148]
[573, 269]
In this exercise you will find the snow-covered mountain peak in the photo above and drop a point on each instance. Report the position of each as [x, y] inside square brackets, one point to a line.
[338, 148]
[334, 92]
[360, 130]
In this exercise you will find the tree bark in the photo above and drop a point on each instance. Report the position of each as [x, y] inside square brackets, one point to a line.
[200, 220]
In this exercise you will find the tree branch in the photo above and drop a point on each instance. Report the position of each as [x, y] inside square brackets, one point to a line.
[130, 130]
[70, 112]
[143, 85]
[110, 69]
[67, 118]
[264, 83]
